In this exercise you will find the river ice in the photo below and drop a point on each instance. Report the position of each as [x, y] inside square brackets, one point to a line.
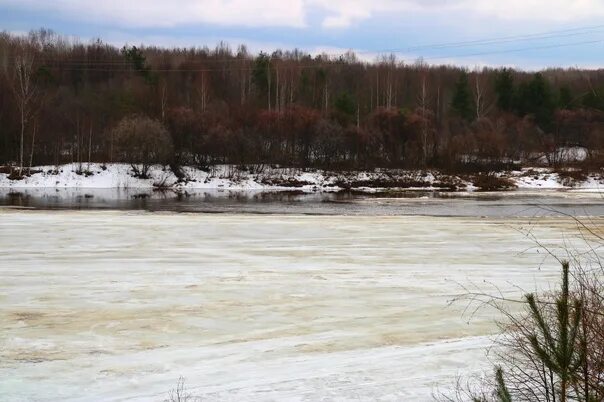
[117, 305]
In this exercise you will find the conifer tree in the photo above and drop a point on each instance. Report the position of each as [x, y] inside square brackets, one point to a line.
[503, 394]
[565, 98]
[504, 88]
[462, 99]
[535, 98]
[555, 341]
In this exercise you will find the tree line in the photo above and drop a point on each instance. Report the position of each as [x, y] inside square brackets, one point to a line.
[65, 101]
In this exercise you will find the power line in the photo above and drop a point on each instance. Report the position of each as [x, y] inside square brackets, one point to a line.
[520, 49]
[480, 42]
[323, 65]
[497, 40]
[124, 65]
[409, 49]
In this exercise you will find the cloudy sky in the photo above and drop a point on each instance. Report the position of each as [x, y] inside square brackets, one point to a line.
[524, 33]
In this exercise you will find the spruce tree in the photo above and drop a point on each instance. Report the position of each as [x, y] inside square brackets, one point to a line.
[535, 98]
[554, 343]
[502, 392]
[504, 88]
[565, 98]
[594, 100]
[462, 99]
[260, 73]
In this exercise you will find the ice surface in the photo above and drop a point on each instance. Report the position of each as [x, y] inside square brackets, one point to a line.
[117, 305]
[520, 203]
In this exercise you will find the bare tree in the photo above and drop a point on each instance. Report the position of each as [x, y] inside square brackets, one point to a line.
[25, 91]
[268, 77]
[202, 90]
[423, 104]
[143, 141]
[89, 147]
[33, 145]
[480, 102]
[180, 393]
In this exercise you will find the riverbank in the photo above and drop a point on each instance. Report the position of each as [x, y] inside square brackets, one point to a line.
[265, 178]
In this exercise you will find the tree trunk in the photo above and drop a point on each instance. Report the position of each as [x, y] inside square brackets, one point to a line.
[268, 74]
[89, 147]
[377, 89]
[163, 103]
[33, 144]
[22, 137]
[326, 96]
[78, 143]
[277, 103]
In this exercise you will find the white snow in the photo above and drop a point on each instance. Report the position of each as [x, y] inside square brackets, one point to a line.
[121, 176]
[564, 154]
[544, 178]
[231, 177]
[114, 306]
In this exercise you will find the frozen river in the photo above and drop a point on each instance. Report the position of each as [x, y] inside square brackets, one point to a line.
[116, 305]
[525, 203]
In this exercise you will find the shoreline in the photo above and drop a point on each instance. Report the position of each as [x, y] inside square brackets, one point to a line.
[276, 179]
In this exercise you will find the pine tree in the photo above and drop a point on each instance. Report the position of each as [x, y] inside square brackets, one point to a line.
[345, 107]
[502, 392]
[138, 60]
[261, 76]
[594, 100]
[535, 98]
[462, 99]
[565, 98]
[555, 345]
[504, 88]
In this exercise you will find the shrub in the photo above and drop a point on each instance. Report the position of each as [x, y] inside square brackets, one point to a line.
[492, 182]
[570, 177]
[142, 141]
[553, 349]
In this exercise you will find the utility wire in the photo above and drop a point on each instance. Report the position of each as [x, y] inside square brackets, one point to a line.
[311, 66]
[438, 46]
[520, 49]
[496, 40]
[118, 65]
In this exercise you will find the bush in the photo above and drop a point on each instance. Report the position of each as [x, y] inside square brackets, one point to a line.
[142, 141]
[492, 182]
[552, 349]
[570, 177]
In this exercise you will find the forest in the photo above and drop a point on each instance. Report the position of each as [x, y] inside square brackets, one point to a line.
[63, 101]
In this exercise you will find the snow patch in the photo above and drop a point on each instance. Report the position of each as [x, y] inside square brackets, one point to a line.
[264, 178]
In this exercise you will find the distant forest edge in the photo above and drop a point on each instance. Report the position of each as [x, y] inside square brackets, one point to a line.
[62, 102]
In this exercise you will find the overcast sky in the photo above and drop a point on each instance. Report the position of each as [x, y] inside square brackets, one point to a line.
[524, 33]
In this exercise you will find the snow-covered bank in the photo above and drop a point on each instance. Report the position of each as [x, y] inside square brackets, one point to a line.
[226, 177]
[230, 177]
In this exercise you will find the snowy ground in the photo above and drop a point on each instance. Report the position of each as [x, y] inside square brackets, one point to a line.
[279, 179]
[117, 305]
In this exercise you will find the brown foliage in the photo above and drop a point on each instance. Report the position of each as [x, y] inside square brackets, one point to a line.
[142, 141]
[492, 182]
[324, 111]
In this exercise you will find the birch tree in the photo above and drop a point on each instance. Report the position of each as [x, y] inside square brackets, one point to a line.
[482, 106]
[25, 92]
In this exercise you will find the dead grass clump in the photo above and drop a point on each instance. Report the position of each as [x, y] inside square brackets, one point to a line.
[492, 182]
[570, 177]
